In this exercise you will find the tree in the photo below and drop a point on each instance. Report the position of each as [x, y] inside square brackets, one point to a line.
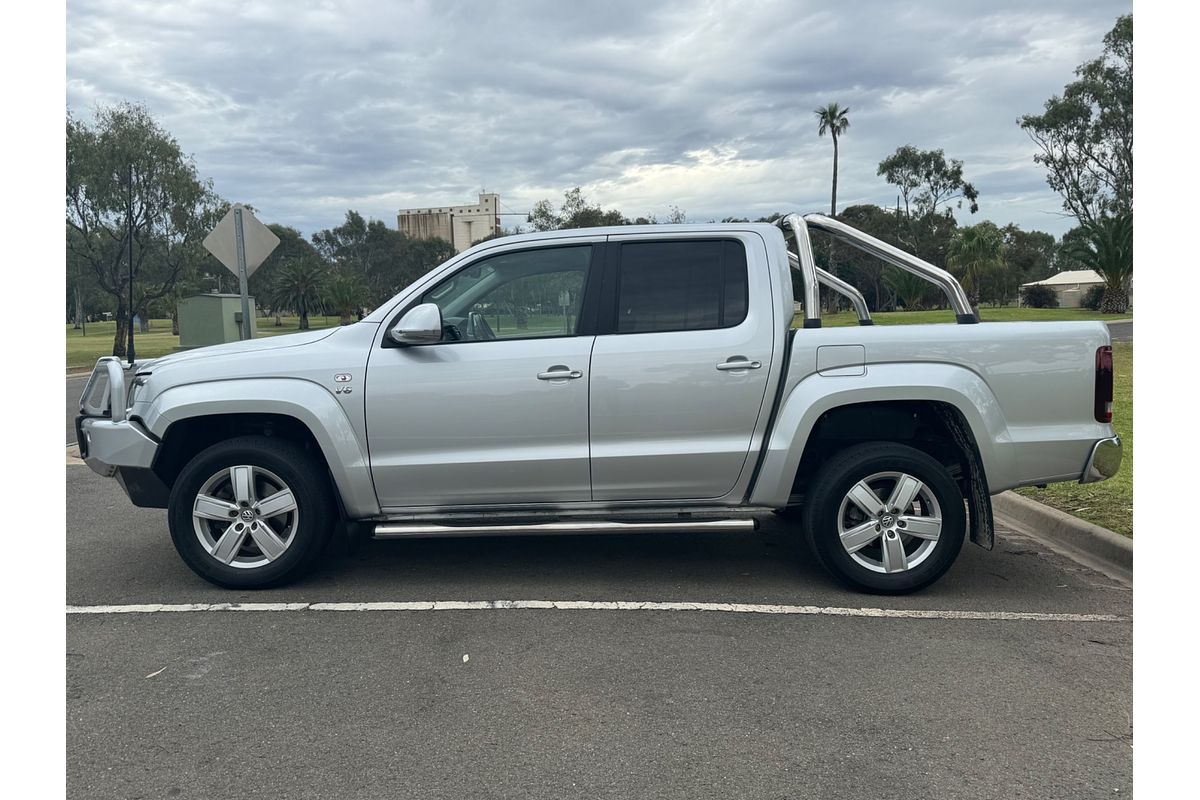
[1085, 137]
[976, 253]
[865, 271]
[1029, 254]
[381, 259]
[344, 296]
[931, 187]
[912, 291]
[292, 247]
[927, 181]
[300, 285]
[125, 161]
[575, 213]
[832, 118]
[1106, 246]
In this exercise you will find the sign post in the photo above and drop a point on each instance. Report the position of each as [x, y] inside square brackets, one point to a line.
[242, 244]
[240, 236]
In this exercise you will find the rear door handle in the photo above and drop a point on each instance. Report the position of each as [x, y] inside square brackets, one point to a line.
[738, 362]
[560, 372]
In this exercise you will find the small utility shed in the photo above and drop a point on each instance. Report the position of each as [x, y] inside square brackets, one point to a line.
[206, 319]
[1070, 286]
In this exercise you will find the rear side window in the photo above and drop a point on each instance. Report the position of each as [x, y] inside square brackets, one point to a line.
[681, 286]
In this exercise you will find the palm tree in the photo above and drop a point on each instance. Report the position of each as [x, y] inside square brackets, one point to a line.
[299, 285]
[911, 291]
[832, 118]
[974, 253]
[344, 296]
[1107, 248]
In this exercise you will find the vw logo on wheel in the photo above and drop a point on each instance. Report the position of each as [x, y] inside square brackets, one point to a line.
[247, 515]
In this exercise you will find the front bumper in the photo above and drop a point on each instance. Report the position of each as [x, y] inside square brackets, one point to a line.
[105, 445]
[1104, 461]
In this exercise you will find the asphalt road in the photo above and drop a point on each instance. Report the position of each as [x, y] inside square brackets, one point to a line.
[563, 703]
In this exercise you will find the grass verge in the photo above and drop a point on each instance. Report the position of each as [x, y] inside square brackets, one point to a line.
[82, 351]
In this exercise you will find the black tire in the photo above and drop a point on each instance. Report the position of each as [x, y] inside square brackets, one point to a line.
[315, 511]
[823, 505]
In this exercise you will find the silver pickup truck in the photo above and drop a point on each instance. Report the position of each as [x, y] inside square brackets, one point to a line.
[626, 379]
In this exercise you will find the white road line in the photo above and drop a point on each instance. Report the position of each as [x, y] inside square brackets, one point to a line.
[599, 605]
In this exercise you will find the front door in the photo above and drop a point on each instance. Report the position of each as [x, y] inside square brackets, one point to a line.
[495, 413]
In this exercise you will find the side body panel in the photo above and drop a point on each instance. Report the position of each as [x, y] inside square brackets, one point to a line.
[1026, 390]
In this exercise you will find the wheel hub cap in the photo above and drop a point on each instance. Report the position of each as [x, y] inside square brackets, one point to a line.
[895, 534]
[245, 516]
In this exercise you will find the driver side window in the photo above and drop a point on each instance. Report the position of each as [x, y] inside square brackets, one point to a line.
[521, 295]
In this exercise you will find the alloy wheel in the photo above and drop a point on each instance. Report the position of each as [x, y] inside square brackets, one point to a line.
[245, 516]
[889, 535]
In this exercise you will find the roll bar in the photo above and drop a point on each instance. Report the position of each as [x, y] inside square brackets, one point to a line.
[828, 279]
[808, 267]
[896, 257]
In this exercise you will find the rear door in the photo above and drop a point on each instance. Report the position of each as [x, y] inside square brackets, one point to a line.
[680, 370]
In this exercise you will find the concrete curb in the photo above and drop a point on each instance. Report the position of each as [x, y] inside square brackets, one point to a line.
[1089, 544]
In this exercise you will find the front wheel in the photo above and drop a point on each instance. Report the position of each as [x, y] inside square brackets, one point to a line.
[885, 518]
[251, 512]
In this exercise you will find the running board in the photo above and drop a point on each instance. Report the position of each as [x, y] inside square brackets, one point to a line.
[403, 530]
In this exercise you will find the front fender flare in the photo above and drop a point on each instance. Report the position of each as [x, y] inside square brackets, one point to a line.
[817, 394]
[311, 404]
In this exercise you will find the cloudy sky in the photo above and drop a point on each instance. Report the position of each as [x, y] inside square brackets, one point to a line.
[307, 109]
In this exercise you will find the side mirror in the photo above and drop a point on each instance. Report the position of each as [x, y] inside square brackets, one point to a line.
[421, 325]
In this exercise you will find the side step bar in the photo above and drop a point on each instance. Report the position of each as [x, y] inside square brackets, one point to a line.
[403, 530]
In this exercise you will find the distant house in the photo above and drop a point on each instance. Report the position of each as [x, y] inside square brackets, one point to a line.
[1070, 286]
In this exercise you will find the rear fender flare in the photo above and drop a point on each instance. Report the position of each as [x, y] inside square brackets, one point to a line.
[817, 394]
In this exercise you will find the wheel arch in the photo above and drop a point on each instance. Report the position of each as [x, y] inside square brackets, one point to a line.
[950, 398]
[191, 417]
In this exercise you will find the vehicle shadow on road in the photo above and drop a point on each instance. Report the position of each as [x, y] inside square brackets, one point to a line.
[611, 566]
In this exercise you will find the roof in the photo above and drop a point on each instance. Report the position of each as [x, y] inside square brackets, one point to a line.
[1069, 277]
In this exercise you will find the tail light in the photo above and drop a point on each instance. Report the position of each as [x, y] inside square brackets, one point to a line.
[1104, 384]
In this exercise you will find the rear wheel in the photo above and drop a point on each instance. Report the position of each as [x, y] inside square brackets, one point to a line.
[251, 512]
[885, 518]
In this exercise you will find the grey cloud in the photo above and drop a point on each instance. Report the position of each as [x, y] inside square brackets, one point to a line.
[305, 110]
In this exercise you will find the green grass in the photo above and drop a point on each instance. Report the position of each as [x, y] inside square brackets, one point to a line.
[1006, 314]
[82, 351]
[1109, 503]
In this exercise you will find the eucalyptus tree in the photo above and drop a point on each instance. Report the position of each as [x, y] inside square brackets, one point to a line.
[832, 119]
[1085, 136]
[130, 187]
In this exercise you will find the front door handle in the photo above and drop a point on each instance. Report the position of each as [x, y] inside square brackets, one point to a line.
[738, 362]
[560, 372]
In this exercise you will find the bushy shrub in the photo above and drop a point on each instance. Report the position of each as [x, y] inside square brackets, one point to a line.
[1039, 297]
[1092, 297]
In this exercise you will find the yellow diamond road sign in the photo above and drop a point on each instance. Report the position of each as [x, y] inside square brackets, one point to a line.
[258, 241]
